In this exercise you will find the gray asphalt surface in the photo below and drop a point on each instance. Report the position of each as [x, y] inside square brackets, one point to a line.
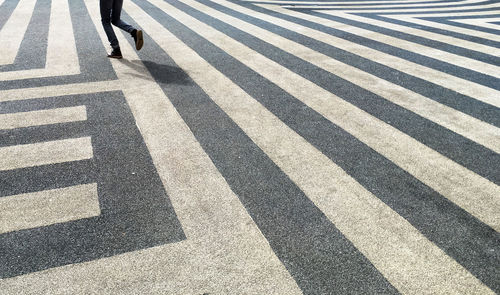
[251, 147]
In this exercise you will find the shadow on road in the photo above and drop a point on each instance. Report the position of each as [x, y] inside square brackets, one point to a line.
[163, 74]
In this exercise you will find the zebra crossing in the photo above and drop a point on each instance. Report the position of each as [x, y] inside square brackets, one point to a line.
[287, 147]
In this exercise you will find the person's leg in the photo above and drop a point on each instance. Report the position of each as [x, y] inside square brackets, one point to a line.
[116, 20]
[106, 7]
[115, 17]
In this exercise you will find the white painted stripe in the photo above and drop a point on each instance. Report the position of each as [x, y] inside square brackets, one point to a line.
[426, 34]
[43, 117]
[13, 31]
[376, 7]
[396, 248]
[463, 187]
[60, 90]
[409, 9]
[335, 2]
[43, 153]
[474, 90]
[469, 127]
[482, 22]
[61, 51]
[451, 14]
[447, 27]
[435, 53]
[224, 250]
[62, 57]
[48, 207]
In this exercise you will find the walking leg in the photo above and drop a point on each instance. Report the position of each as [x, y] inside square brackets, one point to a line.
[106, 7]
[115, 17]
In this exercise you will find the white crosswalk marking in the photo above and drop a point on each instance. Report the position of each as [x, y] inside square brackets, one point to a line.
[463, 187]
[337, 2]
[465, 87]
[417, 20]
[411, 46]
[333, 5]
[35, 154]
[456, 121]
[252, 147]
[60, 90]
[459, 13]
[43, 117]
[226, 215]
[48, 207]
[428, 35]
[417, 9]
[12, 33]
[362, 218]
[484, 22]
[62, 58]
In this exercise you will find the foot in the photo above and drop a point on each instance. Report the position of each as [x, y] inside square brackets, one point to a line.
[139, 40]
[116, 53]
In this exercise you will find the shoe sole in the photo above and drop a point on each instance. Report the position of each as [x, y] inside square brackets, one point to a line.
[140, 40]
[117, 57]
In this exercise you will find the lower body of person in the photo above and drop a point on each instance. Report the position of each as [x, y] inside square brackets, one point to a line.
[110, 15]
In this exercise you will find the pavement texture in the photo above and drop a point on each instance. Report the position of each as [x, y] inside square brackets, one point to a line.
[251, 147]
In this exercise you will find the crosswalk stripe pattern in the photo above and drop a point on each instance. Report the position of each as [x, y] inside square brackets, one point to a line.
[287, 147]
[48, 207]
[14, 30]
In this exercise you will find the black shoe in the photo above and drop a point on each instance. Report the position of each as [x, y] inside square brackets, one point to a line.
[116, 53]
[139, 40]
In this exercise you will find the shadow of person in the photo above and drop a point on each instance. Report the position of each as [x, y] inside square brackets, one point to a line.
[163, 74]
